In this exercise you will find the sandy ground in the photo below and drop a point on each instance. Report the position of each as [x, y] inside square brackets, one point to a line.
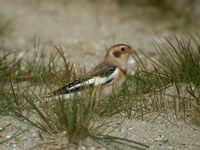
[84, 29]
[158, 134]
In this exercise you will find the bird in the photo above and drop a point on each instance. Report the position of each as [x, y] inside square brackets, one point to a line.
[107, 77]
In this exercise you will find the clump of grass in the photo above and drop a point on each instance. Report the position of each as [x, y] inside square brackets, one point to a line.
[77, 117]
[24, 99]
[35, 70]
[180, 64]
[171, 86]
[174, 82]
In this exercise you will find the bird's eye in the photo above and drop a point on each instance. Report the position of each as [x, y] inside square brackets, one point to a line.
[122, 49]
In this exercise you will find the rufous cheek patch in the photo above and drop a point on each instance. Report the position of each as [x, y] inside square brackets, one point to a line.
[117, 54]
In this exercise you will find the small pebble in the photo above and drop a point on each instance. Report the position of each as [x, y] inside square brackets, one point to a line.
[8, 136]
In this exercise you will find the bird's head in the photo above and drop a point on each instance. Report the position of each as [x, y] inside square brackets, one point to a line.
[119, 54]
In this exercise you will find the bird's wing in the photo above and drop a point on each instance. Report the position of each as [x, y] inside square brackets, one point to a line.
[101, 75]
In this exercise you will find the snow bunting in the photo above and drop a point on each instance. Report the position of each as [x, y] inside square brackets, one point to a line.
[106, 77]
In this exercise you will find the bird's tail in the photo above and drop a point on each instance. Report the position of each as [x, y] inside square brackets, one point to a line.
[57, 92]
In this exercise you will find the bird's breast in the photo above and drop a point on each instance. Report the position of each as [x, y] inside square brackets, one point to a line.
[120, 78]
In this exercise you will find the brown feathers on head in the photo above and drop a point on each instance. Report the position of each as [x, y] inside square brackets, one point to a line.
[118, 54]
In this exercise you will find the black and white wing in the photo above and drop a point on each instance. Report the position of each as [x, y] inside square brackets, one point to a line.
[102, 74]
